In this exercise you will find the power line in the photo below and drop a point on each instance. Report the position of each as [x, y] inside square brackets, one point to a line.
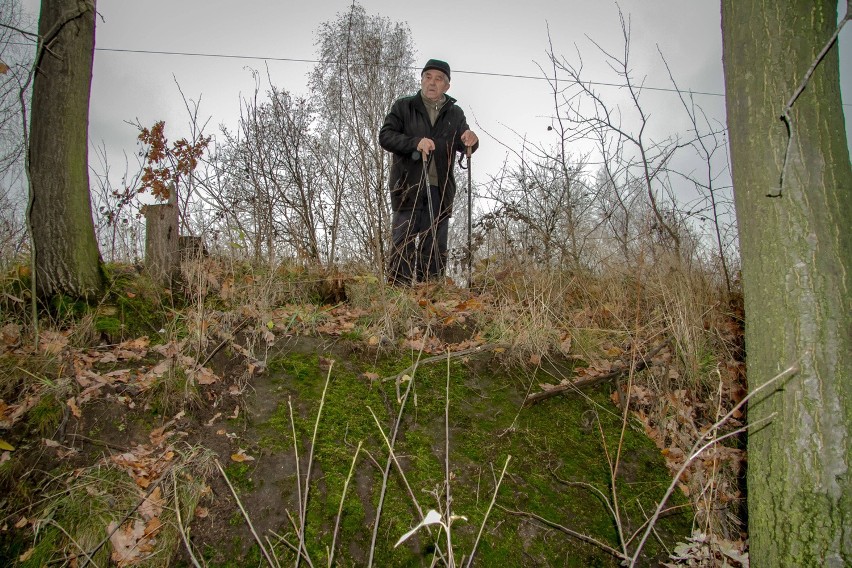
[315, 61]
[455, 71]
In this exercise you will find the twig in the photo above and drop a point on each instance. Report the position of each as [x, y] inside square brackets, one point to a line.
[785, 113]
[566, 530]
[436, 358]
[289, 544]
[592, 381]
[245, 515]
[71, 538]
[19, 30]
[298, 469]
[224, 341]
[304, 511]
[488, 512]
[449, 499]
[340, 509]
[180, 523]
[391, 459]
[107, 445]
[123, 520]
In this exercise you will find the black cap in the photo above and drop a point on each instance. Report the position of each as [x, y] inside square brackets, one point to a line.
[442, 66]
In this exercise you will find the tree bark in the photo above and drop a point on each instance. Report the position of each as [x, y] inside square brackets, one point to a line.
[796, 247]
[162, 241]
[66, 252]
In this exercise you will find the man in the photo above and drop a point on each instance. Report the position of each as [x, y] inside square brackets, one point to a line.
[423, 131]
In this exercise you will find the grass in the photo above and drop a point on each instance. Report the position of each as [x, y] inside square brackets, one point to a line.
[559, 468]
[73, 521]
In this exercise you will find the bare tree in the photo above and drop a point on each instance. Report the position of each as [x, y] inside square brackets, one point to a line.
[366, 65]
[605, 125]
[17, 49]
[273, 176]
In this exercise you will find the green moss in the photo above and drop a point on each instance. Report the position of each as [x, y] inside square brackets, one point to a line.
[240, 475]
[558, 439]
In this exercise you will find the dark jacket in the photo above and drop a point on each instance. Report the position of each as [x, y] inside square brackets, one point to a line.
[405, 125]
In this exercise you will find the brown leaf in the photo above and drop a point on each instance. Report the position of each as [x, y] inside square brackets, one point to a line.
[10, 334]
[152, 527]
[203, 375]
[162, 367]
[3, 68]
[75, 410]
[241, 456]
[535, 359]
[202, 512]
[152, 506]
[52, 342]
[125, 541]
[26, 555]
[614, 351]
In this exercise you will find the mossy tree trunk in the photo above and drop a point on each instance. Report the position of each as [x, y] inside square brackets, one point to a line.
[797, 276]
[66, 251]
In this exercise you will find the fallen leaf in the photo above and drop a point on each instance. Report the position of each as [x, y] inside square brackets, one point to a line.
[109, 358]
[3, 68]
[202, 512]
[236, 413]
[373, 340]
[152, 506]
[4, 445]
[152, 527]
[52, 342]
[161, 368]
[535, 359]
[75, 410]
[371, 376]
[26, 555]
[204, 376]
[10, 334]
[241, 456]
[125, 541]
[215, 417]
[21, 523]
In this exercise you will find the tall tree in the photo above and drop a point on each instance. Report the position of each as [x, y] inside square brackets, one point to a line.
[66, 252]
[366, 64]
[793, 195]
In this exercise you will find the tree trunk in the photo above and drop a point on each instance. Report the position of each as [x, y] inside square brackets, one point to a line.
[162, 241]
[797, 276]
[66, 251]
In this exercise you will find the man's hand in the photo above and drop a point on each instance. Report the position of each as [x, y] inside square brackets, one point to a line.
[426, 146]
[468, 138]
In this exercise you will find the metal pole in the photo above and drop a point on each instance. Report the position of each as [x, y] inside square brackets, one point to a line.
[434, 248]
[469, 220]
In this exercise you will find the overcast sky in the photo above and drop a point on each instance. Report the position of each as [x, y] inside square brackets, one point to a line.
[474, 36]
